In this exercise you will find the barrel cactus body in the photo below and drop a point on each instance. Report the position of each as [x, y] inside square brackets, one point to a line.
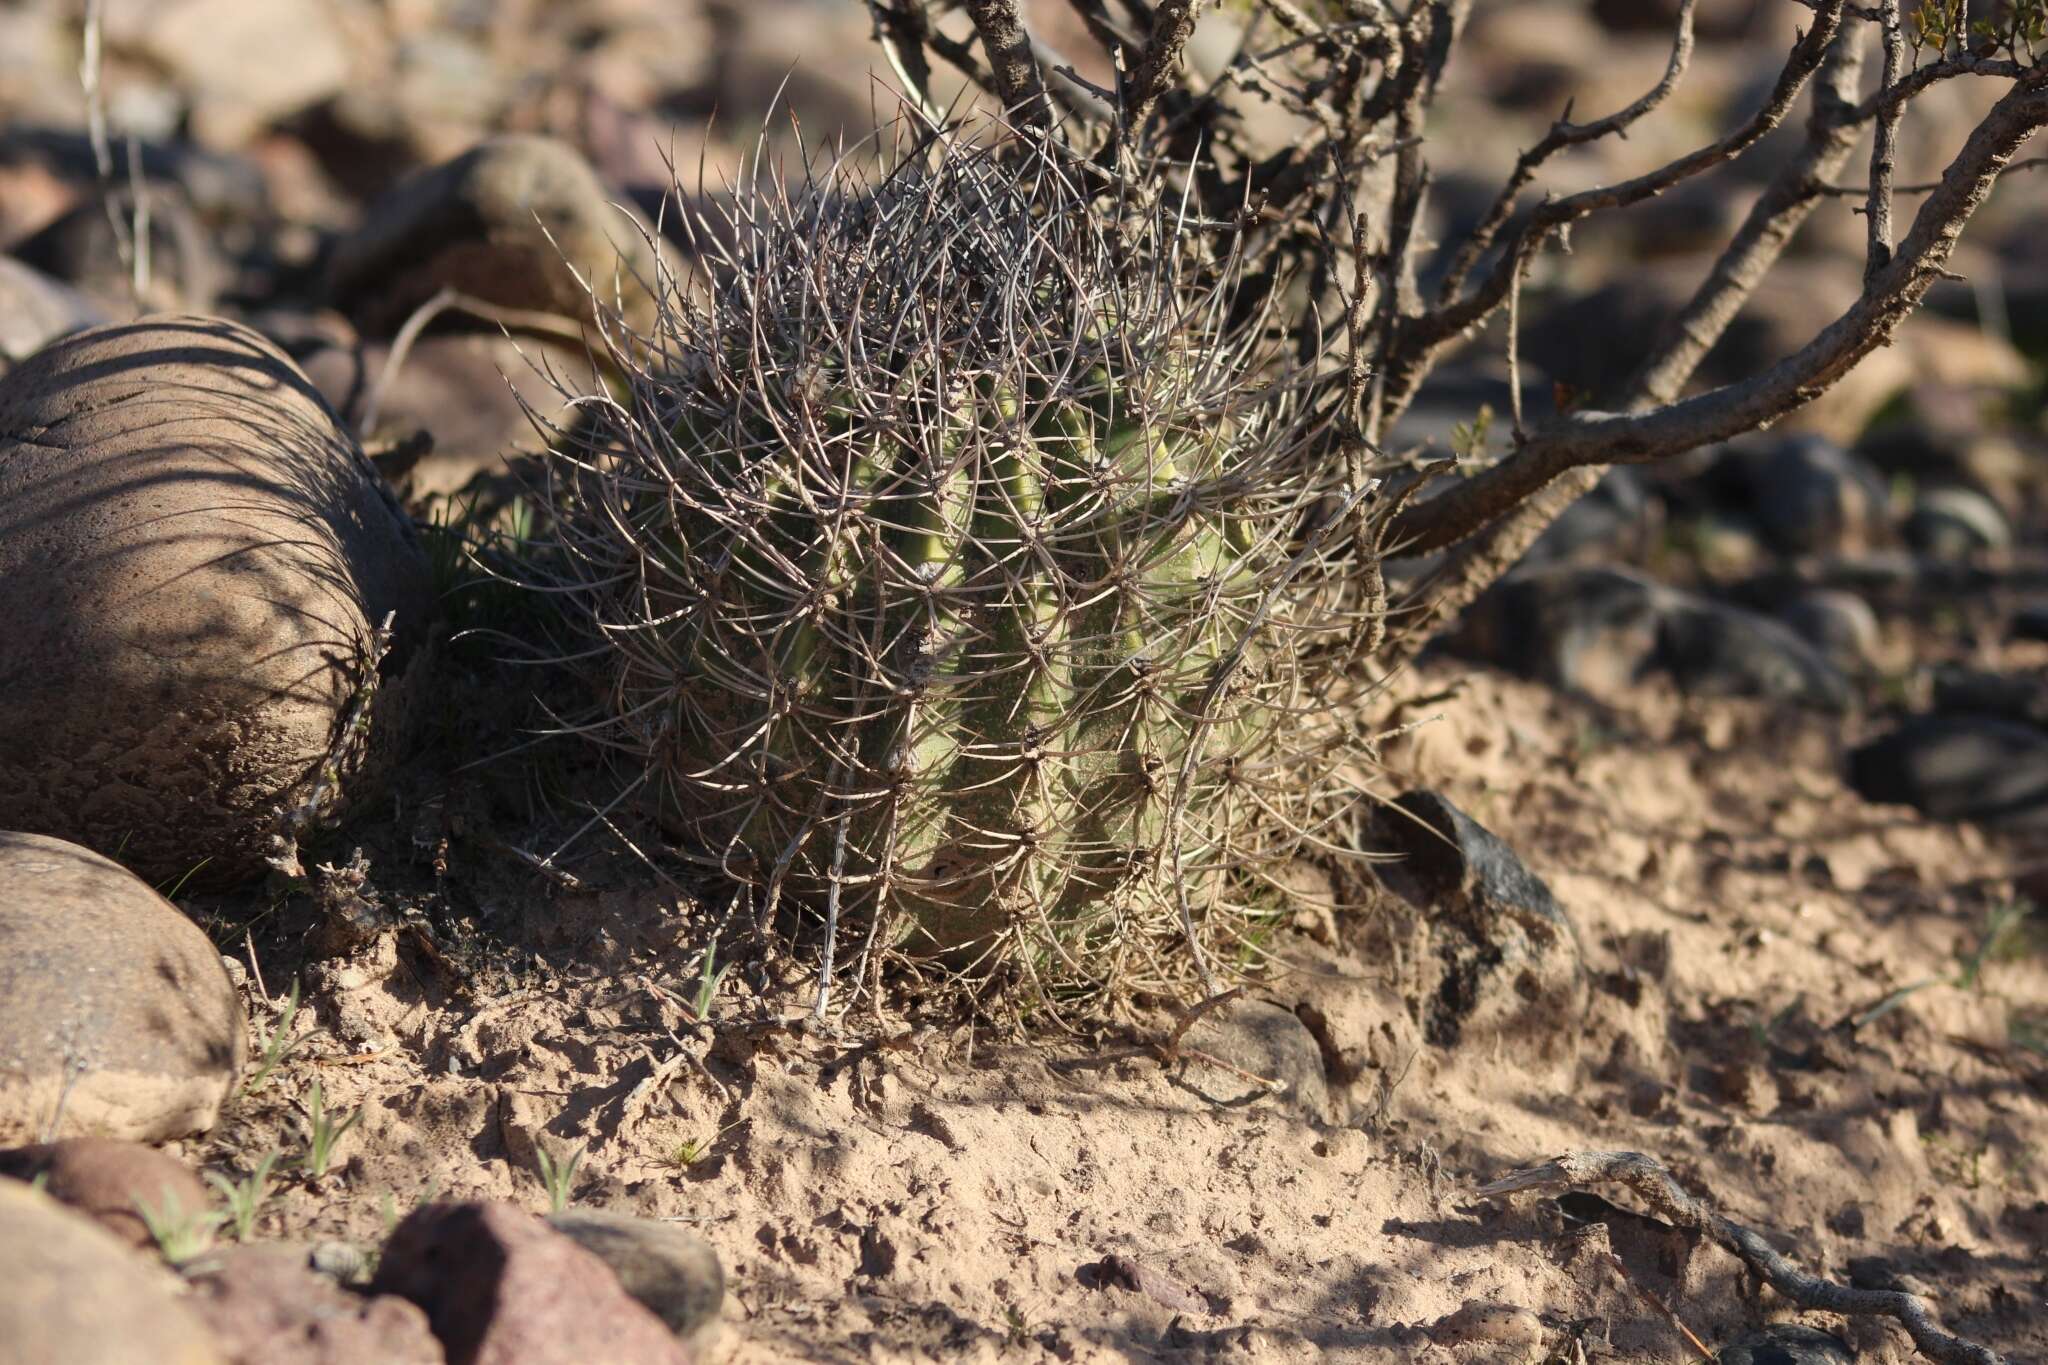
[948, 559]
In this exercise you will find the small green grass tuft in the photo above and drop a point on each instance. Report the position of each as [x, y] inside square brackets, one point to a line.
[323, 1133]
[557, 1174]
[245, 1197]
[181, 1235]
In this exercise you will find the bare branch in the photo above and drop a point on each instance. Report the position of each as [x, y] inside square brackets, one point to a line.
[1884, 145]
[1419, 341]
[1017, 80]
[1778, 214]
[1594, 438]
[1171, 28]
[1564, 133]
[1653, 1184]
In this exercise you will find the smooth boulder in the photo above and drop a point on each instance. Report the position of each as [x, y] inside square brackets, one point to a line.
[518, 221]
[194, 559]
[117, 1018]
[71, 1292]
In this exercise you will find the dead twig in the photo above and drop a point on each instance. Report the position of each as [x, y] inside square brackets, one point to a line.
[1653, 1184]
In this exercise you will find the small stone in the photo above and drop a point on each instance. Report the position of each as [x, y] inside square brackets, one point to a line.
[514, 221]
[1483, 1320]
[1713, 649]
[1956, 767]
[80, 248]
[670, 1269]
[1589, 629]
[35, 310]
[503, 1288]
[115, 1015]
[1510, 957]
[1957, 523]
[1786, 1343]
[1839, 625]
[72, 1292]
[1807, 494]
[1267, 1040]
[2030, 622]
[111, 1180]
[268, 1307]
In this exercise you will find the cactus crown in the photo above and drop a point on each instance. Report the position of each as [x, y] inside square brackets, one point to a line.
[950, 562]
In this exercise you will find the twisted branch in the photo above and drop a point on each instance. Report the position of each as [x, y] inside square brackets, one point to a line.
[1652, 1183]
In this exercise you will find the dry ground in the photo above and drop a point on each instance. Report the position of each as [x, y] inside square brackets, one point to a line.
[926, 1191]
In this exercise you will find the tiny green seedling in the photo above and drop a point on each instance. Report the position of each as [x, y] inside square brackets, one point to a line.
[277, 1044]
[692, 1150]
[180, 1236]
[245, 1197]
[557, 1174]
[323, 1133]
[709, 977]
[2004, 924]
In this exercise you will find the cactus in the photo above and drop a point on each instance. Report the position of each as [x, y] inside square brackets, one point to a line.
[950, 556]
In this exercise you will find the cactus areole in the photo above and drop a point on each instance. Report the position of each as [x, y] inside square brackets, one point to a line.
[947, 558]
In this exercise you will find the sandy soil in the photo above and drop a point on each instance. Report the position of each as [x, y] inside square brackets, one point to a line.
[921, 1188]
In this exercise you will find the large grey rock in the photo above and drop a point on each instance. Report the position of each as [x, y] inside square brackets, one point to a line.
[116, 1016]
[503, 1288]
[1510, 956]
[193, 558]
[71, 1292]
[515, 221]
[668, 1268]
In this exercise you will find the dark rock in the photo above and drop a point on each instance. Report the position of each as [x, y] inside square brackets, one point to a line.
[1268, 1041]
[1511, 959]
[670, 1269]
[267, 1306]
[502, 1288]
[2030, 622]
[111, 1180]
[1839, 625]
[1786, 1343]
[1957, 767]
[2018, 697]
[1589, 629]
[74, 1293]
[1806, 493]
[514, 222]
[114, 1008]
[1732, 20]
[35, 310]
[80, 248]
[1956, 523]
[1715, 649]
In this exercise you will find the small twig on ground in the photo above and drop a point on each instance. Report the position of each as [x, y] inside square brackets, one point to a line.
[1653, 1184]
[1647, 1295]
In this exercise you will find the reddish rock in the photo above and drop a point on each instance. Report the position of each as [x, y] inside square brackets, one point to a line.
[110, 1180]
[503, 1288]
[268, 1306]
